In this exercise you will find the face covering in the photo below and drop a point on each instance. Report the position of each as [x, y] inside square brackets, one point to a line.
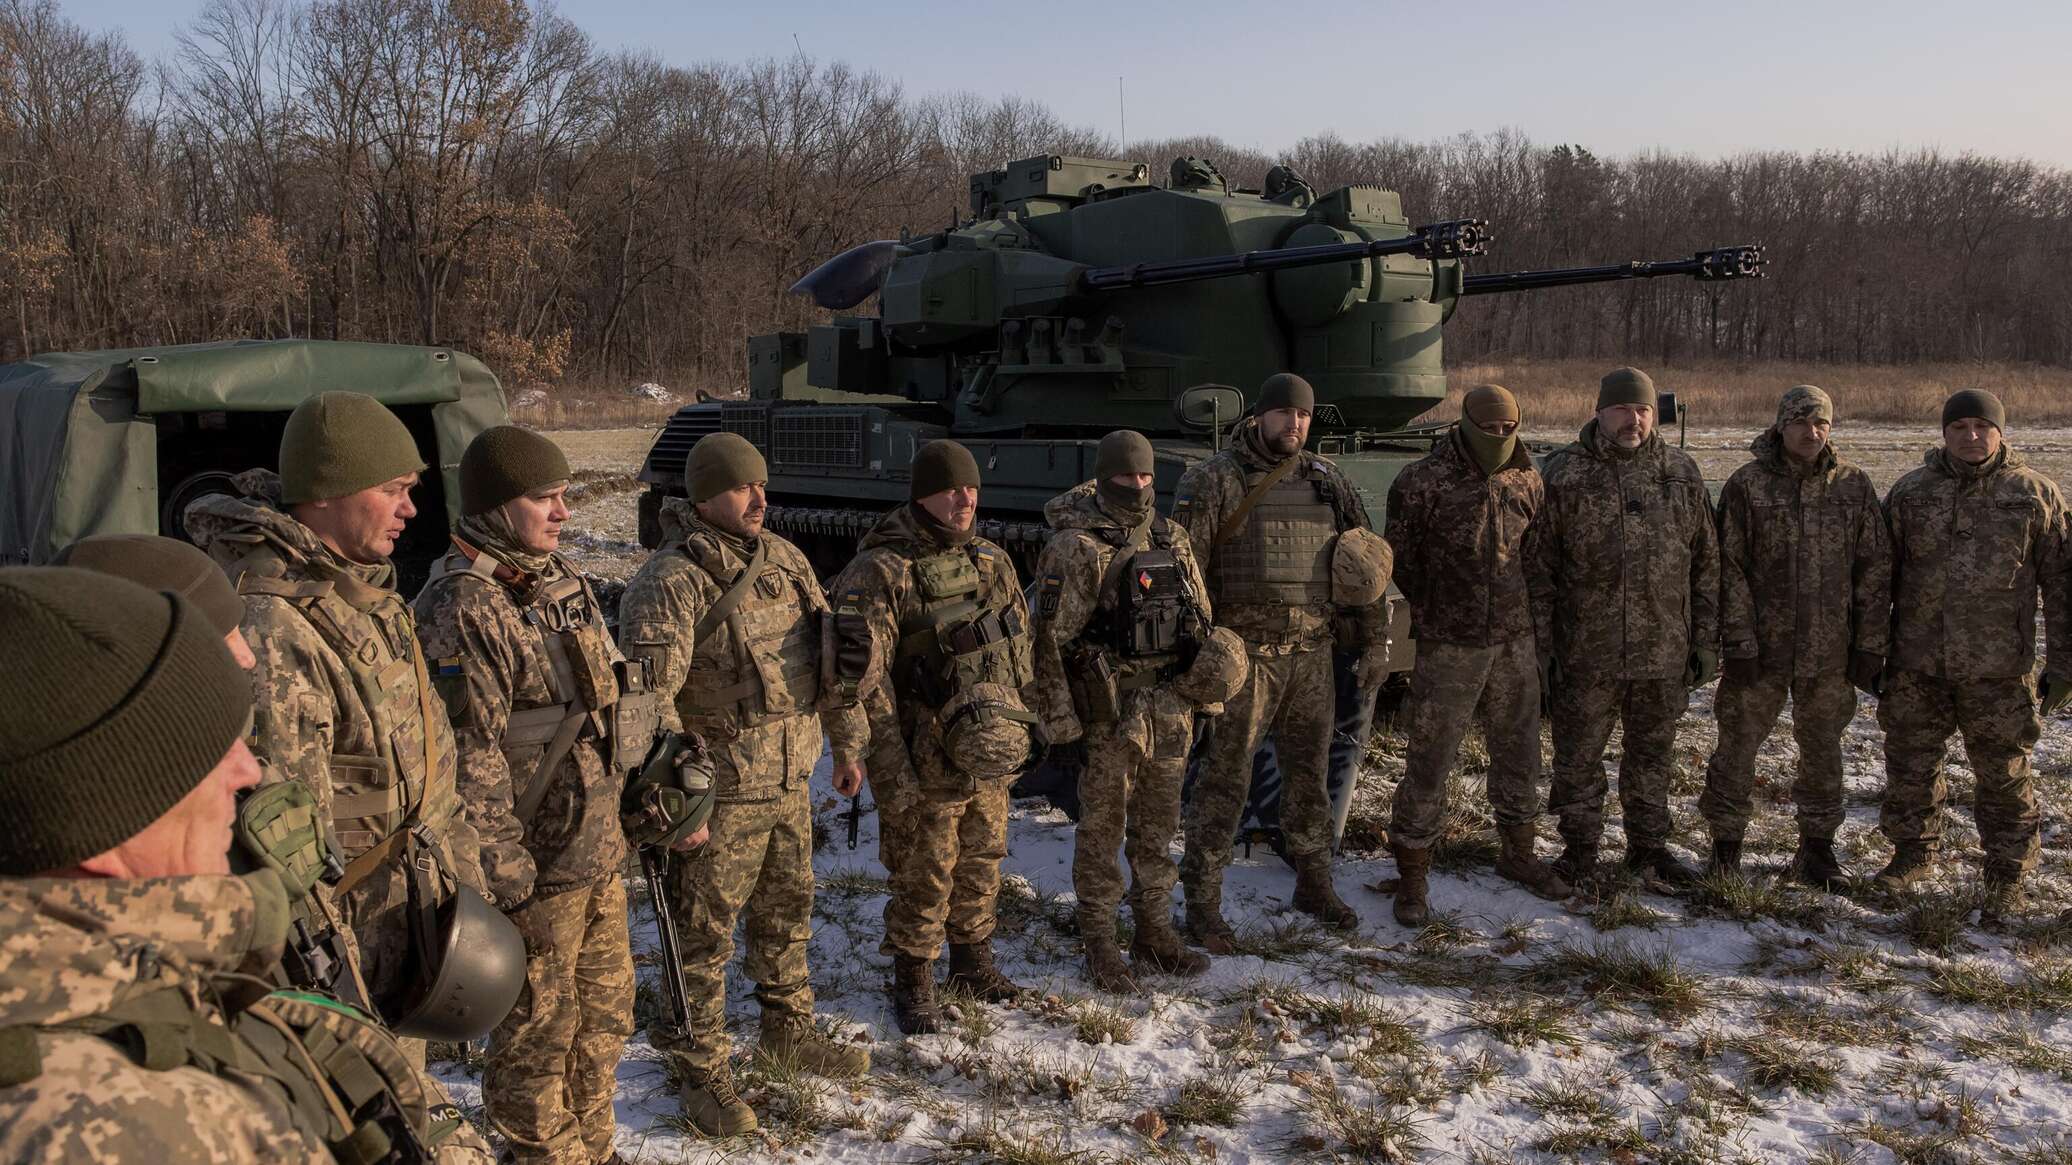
[1491, 453]
[1126, 503]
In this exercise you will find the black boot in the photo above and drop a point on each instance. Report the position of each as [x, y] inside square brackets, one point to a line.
[913, 996]
[1726, 856]
[1815, 865]
[1577, 863]
[972, 969]
[1657, 860]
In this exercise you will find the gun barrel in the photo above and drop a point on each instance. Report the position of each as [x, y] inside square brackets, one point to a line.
[654, 865]
[1741, 262]
[1443, 240]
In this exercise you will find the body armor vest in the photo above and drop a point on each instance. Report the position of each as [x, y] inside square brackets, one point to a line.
[767, 666]
[1281, 556]
[1144, 611]
[961, 635]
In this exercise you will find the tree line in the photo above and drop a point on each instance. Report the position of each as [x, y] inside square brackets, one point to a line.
[477, 173]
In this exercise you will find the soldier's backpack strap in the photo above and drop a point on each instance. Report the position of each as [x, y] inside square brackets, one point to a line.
[737, 591]
[1236, 520]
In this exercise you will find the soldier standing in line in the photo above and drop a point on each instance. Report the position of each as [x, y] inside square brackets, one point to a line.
[1634, 559]
[122, 761]
[730, 619]
[546, 728]
[345, 704]
[1120, 605]
[1266, 519]
[1976, 535]
[949, 729]
[1464, 525]
[1805, 612]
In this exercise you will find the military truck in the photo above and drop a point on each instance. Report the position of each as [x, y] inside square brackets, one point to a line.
[121, 441]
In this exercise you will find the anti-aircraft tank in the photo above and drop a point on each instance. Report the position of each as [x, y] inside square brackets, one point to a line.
[1082, 297]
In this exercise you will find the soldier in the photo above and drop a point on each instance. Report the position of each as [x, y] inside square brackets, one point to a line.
[948, 728]
[1635, 564]
[1267, 517]
[1120, 602]
[167, 564]
[1805, 597]
[345, 704]
[1463, 522]
[130, 1029]
[729, 618]
[1976, 534]
[545, 731]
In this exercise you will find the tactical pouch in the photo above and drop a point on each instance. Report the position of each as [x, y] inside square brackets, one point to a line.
[277, 825]
[845, 655]
[1150, 605]
[1092, 680]
[636, 717]
[945, 576]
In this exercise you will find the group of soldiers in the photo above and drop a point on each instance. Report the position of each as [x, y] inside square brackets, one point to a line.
[428, 805]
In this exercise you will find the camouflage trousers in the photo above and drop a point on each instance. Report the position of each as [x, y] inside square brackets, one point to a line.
[553, 1061]
[1584, 713]
[1451, 687]
[943, 858]
[1821, 707]
[755, 870]
[1295, 698]
[1128, 801]
[1998, 719]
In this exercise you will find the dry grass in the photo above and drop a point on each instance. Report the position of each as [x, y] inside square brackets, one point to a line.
[1560, 393]
[600, 404]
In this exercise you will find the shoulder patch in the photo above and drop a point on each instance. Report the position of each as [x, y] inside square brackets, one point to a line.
[448, 665]
[1049, 593]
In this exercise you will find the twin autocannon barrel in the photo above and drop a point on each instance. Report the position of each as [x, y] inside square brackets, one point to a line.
[1743, 262]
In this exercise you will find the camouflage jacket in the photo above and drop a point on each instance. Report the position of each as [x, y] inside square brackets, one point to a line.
[1209, 492]
[493, 662]
[1634, 558]
[367, 764]
[879, 584]
[1805, 565]
[661, 607]
[1069, 575]
[80, 947]
[1467, 553]
[1971, 548]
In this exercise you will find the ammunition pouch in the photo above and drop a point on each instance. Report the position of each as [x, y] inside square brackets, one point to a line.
[670, 797]
[636, 718]
[278, 828]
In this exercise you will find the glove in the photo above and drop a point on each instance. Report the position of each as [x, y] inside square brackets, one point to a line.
[1742, 672]
[1069, 755]
[1867, 672]
[1372, 667]
[1701, 667]
[1550, 672]
[2057, 692]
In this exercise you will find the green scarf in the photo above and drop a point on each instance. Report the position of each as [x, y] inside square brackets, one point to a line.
[1491, 453]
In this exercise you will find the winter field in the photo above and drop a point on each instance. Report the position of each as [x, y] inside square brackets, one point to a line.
[1748, 1021]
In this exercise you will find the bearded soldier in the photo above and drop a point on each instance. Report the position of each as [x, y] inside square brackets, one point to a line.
[547, 720]
[1805, 598]
[1976, 535]
[730, 619]
[1635, 563]
[1266, 520]
[135, 1020]
[1120, 606]
[1464, 525]
[345, 704]
[949, 730]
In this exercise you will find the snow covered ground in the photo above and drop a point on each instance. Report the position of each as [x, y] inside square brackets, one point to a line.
[1749, 1021]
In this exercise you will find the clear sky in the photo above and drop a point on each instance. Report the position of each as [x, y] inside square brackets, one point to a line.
[1993, 76]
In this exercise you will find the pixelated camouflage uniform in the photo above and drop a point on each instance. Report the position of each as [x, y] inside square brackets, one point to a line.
[371, 765]
[1634, 559]
[764, 733]
[1805, 578]
[1972, 545]
[551, 1072]
[78, 948]
[941, 836]
[1468, 562]
[1129, 795]
[1291, 691]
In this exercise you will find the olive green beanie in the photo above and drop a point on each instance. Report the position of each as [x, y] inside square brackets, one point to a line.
[720, 462]
[942, 465]
[1974, 403]
[115, 703]
[162, 564]
[339, 443]
[1123, 451]
[1626, 386]
[507, 462]
[1285, 390]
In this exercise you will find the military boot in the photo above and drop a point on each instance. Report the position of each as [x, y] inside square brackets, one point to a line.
[1206, 927]
[1104, 962]
[1815, 865]
[1412, 866]
[1519, 864]
[1157, 947]
[712, 1106]
[798, 1043]
[1911, 862]
[972, 969]
[913, 996]
[2004, 896]
[1317, 897]
[1577, 863]
[1658, 861]
[1726, 856]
